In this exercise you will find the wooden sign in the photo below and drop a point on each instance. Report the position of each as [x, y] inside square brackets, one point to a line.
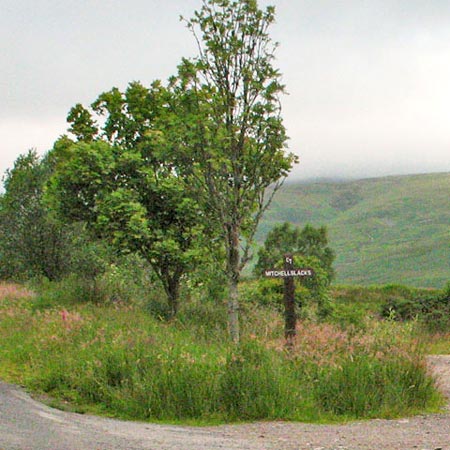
[289, 272]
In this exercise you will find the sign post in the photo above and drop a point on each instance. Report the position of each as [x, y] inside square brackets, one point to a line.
[289, 272]
[290, 320]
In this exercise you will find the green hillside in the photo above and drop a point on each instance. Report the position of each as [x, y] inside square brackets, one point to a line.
[384, 230]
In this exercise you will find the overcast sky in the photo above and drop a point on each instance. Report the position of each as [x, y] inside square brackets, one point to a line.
[368, 80]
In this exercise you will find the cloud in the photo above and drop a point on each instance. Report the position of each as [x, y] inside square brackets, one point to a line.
[367, 79]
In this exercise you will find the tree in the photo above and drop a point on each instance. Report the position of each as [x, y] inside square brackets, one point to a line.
[306, 242]
[228, 119]
[32, 242]
[123, 186]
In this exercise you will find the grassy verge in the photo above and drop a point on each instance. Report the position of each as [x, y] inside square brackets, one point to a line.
[117, 359]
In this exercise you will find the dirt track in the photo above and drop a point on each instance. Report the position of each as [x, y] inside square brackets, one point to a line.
[29, 425]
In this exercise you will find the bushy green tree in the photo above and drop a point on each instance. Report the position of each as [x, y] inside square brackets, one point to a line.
[32, 241]
[131, 197]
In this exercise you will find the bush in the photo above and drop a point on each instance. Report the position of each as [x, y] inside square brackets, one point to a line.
[264, 292]
[432, 309]
[67, 292]
[349, 316]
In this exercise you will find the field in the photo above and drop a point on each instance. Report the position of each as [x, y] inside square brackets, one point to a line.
[118, 359]
[383, 230]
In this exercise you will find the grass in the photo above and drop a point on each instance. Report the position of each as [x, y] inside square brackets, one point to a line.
[437, 344]
[117, 359]
[384, 230]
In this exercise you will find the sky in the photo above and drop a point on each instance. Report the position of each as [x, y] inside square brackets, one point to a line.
[368, 81]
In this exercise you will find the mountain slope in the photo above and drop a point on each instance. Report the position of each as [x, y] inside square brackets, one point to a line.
[384, 230]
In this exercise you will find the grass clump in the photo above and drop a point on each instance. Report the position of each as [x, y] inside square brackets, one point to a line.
[368, 387]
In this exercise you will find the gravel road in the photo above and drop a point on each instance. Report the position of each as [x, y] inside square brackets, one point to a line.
[26, 424]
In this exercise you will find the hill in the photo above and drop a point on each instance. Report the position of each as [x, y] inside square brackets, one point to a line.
[384, 230]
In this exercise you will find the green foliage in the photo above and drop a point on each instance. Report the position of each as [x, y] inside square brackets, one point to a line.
[363, 385]
[136, 206]
[81, 170]
[32, 242]
[432, 309]
[355, 307]
[396, 232]
[102, 278]
[83, 126]
[286, 239]
[69, 291]
[264, 291]
[349, 316]
[129, 279]
[253, 385]
[90, 257]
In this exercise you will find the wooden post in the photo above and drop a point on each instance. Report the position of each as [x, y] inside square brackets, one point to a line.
[290, 319]
[289, 272]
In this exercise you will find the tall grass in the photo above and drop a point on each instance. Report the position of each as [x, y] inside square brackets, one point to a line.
[366, 387]
[119, 359]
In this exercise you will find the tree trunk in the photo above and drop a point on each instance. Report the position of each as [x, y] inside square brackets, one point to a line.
[173, 294]
[233, 311]
[171, 284]
[233, 274]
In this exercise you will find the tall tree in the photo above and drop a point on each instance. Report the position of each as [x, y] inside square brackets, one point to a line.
[231, 129]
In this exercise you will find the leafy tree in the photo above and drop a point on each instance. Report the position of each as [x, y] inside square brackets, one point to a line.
[306, 242]
[32, 241]
[132, 199]
[228, 119]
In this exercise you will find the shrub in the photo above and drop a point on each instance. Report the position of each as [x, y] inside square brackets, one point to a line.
[431, 308]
